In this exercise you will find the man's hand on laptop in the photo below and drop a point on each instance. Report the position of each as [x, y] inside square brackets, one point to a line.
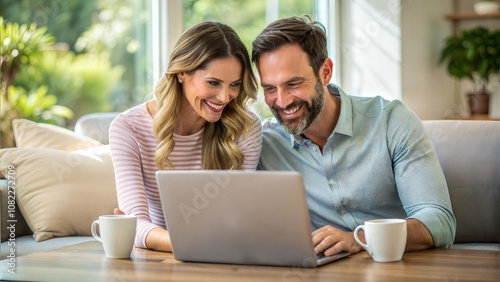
[330, 241]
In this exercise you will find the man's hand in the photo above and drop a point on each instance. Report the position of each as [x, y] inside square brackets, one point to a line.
[330, 240]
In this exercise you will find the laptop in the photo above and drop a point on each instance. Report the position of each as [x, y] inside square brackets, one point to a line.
[238, 217]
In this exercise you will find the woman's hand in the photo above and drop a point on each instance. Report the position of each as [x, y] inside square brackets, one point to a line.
[157, 239]
[118, 211]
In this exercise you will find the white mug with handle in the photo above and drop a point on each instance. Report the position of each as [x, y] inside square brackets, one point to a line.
[385, 239]
[117, 234]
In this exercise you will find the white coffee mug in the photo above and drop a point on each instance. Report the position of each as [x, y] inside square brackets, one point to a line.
[117, 234]
[385, 239]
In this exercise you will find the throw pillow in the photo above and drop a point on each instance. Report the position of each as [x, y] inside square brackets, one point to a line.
[29, 134]
[61, 193]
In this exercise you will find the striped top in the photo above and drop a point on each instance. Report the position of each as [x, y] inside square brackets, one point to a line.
[133, 147]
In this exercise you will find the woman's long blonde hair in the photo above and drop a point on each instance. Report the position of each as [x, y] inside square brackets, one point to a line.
[197, 47]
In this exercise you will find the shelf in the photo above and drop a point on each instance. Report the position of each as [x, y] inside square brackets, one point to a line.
[470, 16]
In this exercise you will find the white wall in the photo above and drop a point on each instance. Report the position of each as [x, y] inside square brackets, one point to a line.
[391, 48]
[371, 48]
[426, 86]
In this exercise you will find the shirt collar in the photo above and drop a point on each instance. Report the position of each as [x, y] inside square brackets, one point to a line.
[344, 124]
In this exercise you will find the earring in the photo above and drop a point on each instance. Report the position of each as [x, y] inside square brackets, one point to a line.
[180, 80]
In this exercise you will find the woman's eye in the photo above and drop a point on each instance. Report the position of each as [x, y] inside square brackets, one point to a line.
[213, 83]
[235, 84]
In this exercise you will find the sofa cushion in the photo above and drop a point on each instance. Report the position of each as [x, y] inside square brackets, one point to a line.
[60, 193]
[469, 154]
[29, 134]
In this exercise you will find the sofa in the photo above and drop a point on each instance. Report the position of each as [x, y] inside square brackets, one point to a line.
[468, 151]
[73, 161]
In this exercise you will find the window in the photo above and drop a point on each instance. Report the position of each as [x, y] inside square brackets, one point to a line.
[109, 53]
[101, 59]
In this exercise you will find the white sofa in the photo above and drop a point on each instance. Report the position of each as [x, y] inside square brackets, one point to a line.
[21, 238]
[469, 153]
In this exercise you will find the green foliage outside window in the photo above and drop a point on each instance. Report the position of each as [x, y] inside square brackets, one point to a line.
[104, 64]
[82, 82]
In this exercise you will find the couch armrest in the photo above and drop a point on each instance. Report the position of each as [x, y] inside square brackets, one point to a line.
[20, 226]
[469, 154]
[96, 125]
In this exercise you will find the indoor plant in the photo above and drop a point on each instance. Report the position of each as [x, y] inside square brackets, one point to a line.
[474, 54]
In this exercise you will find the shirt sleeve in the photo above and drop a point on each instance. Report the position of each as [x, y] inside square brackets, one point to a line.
[419, 178]
[251, 143]
[131, 192]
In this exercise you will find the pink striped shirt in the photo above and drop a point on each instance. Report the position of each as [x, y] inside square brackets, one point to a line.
[133, 147]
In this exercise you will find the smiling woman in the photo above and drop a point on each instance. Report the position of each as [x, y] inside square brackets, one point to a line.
[208, 90]
[200, 118]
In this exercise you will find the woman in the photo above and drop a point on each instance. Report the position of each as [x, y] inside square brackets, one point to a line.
[200, 119]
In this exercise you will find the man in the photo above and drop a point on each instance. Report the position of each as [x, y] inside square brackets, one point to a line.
[361, 158]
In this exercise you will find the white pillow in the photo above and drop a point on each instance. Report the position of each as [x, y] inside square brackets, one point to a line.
[60, 193]
[29, 134]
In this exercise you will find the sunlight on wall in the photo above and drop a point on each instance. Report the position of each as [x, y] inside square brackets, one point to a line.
[371, 48]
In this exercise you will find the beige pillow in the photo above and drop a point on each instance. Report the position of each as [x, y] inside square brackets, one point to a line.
[61, 193]
[29, 134]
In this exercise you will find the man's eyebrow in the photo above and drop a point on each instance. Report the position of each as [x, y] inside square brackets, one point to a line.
[293, 79]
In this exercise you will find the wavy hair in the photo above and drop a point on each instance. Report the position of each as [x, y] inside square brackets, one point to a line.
[195, 49]
[308, 34]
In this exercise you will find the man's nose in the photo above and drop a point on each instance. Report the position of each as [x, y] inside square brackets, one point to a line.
[282, 98]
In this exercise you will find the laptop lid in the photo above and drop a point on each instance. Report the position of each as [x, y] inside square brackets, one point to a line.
[238, 217]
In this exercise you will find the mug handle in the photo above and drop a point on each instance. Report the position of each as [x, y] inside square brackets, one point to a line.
[94, 230]
[365, 246]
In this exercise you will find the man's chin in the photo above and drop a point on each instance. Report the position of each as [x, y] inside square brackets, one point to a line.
[292, 127]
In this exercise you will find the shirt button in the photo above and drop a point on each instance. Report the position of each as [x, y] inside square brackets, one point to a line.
[314, 149]
[331, 182]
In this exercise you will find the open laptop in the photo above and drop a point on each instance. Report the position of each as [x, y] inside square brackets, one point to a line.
[238, 217]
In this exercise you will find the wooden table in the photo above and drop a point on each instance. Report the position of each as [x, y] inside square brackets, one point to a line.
[87, 262]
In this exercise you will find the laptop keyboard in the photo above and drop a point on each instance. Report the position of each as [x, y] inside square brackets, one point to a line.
[320, 256]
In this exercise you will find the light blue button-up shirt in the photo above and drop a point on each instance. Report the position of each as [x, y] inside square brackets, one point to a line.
[377, 163]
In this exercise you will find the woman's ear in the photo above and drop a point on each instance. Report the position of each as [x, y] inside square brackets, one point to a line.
[181, 76]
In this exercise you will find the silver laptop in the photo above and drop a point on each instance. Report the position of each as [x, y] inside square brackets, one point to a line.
[238, 217]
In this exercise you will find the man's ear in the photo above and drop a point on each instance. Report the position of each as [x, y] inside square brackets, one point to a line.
[326, 71]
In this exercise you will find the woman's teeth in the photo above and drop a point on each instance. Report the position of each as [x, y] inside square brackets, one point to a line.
[215, 106]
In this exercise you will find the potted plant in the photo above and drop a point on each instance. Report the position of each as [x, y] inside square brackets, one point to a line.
[474, 54]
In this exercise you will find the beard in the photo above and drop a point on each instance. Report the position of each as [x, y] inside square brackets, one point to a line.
[297, 125]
